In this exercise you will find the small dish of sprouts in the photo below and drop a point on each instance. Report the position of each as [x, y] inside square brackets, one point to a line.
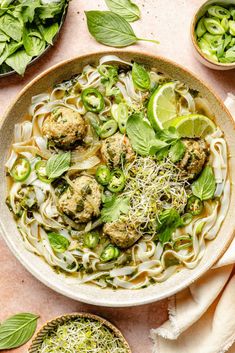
[82, 332]
[118, 177]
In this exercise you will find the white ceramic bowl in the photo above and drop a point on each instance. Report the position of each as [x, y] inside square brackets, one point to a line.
[197, 51]
[90, 293]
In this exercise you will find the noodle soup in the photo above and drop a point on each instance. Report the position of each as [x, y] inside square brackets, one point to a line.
[119, 176]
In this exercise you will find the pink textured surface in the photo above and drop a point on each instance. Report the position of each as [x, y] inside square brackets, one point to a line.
[169, 22]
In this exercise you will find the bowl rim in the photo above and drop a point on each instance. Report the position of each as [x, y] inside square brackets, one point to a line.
[194, 21]
[50, 325]
[48, 46]
[137, 301]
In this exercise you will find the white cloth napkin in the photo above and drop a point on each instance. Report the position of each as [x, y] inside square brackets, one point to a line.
[202, 317]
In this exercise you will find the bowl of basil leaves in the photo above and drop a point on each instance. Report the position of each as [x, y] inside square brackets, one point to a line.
[28, 29]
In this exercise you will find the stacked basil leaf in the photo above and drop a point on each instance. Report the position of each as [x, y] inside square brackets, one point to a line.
[215, 33]
[27, 27]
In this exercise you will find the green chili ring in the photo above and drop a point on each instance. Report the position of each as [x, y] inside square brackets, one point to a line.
[194, 206]
[109, 253]
[103, 175]
[40, 168]
[21, 169]
[117, 181]
[93, 100]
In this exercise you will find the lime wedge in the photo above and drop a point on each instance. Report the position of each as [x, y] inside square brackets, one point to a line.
[162, 105]
[193, 126]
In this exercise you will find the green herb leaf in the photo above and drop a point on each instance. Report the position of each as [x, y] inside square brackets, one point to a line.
[169, 135]
[19, 61]
[49, 32]
[114, 207]
[141, 134]
[140, 77]
[3, 37]
[50, 10]
[168, 222]
[204, 186]
[11, 26]
[111, 29]
[10, 48]
[177, 151]
[58, 242]
[124, 8]
[33, 42]
[17, 330]
[28, 10]
[58, 164]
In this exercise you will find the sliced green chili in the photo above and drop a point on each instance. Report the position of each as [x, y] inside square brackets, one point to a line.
[40, 168]
[91, 240]
[93, 100]
[108, 129]
[103, 175]
[109, 253]
[194, 206]
[117, 181]
[21, 169]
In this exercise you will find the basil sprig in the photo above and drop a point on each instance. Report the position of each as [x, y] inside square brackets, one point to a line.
[204, 187]
[58, 164]
[140, 77]
[17, 330]
[111, 29]
[125, 8]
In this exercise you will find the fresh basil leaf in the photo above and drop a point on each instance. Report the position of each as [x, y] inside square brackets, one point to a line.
[140, 77]
[17, 330]
[28, 9]
[157, 146]
[11, 26]
[58, 164]
[2, 47]
[9, 49]
[204, 187]
[33, 42]
[51, 9]
[125, 8]
[113, 208]
[177, 151]
[169, 135]
[58, 242]
[19, 61]
[4, 37]
[110, 29]
[168, 222]
[140, 133]
[49, 32]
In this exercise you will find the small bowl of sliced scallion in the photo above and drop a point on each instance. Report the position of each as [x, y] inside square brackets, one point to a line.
[213, 34]
[79, 332]
[28, 29]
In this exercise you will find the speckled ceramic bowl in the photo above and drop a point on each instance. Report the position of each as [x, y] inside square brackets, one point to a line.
[52, 325]
[90, 293]
[197, 51]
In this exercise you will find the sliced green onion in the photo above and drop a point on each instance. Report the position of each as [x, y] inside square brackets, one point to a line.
[232, 27]
[187, 218]
[108, 129]
[213, 26]
[225, 24]
[218, 11]
[201, 29]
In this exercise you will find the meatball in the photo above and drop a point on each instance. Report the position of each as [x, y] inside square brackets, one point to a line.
[121, 234]
[64, 127]
[116, 147]
[82, 200]
[194, 158]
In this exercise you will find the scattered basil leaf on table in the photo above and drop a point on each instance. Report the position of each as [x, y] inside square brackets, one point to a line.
[58, 242]
[19, 61]
[204, 186]
[140, 77]
[125, 8]
[113, 208]
[58, 164]
[111, 29]
[17, 330]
